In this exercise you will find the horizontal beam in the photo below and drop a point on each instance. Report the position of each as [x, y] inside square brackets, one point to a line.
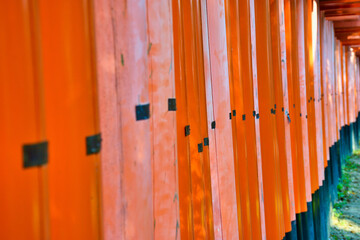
[343, 12]
[339, 5]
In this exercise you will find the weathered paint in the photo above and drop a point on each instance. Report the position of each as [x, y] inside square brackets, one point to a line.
[223, 131]
[122, 45]
[163, 121]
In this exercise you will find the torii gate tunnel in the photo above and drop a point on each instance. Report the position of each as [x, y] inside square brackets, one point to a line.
[175, 119]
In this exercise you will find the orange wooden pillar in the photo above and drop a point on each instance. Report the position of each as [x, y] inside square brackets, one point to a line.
[72, 119]
[291, 54]
[315, 20]
[312, 17]
[238, 116]
[231, 225]
[163, 120]
[357, 75]
[343, 83]
[268, 135]
[184, 170]
[127, 189]
[286, 106]
[337, 68]
[215, 212]
[279, 104]
[24, 171]
[215, 195]
[317, 91]
[324, 91]
[252, 128]
[333, 79]
[351, 69]
[301, 91]
[338, 90]
[190, 84]
[281, 110]
[331, 84]
[204, 76]
[310, 94]
[300, 169]
[196, 119]
[356, 87]
[346, 79]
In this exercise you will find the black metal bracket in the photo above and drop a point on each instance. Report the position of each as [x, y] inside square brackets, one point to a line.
[35, 154]
[206, 141]
[200, 147]
[288, 116]
[213, 125]
[142, 111]
[187, 130]
[93, 144]
[172, 104]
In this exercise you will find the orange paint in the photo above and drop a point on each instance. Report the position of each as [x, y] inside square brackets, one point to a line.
[185, 202]
[295, 110]
[310, 95]
[197, 158]
[317, 89]
[71, 116]
[282, 106]
[237, 99]
[214, 177]
[268, 135]
[163, 121]
[291, 76]
[24, 191]
[253, 153]
[301, 88]
[323, 91]
[223, 132]
[122, 58]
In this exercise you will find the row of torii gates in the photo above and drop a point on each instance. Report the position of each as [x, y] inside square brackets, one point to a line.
[182, 119]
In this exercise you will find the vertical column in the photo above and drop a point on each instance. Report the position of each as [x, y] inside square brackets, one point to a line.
[24, 171]
[324, 91]
[301, 83]
[69, 75]
[183, 148]
[193, 70]
[223, 131]
[291, 76]
[317, 89]
[122, 45]
[269, 145]
[238, 116]
[310, 92]
[252, 130]
[163, 119]
[215, 192]
[279, 65]
[203, 75]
